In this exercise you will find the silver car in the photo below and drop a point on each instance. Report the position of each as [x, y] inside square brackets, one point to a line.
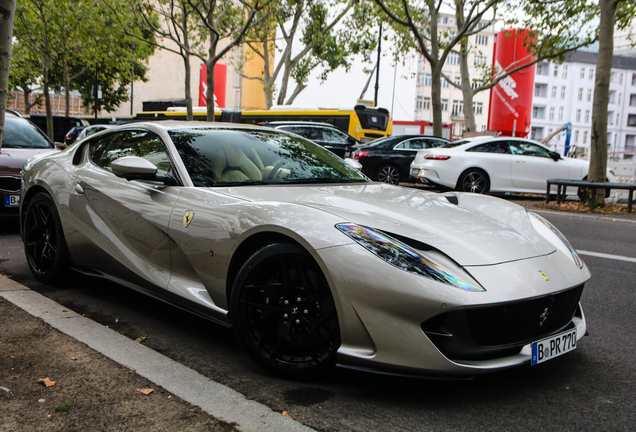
[309, 261]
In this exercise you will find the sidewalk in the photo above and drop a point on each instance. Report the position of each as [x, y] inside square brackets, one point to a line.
[101, 377]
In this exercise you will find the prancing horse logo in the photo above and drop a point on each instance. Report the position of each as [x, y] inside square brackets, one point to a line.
[187, 218]
[543, 317]
[545, 276]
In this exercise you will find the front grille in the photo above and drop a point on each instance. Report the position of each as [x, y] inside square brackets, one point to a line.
[10, 184]
[494, 331]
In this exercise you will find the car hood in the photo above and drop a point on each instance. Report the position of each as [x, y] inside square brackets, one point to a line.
[13, 159]
[478, 230]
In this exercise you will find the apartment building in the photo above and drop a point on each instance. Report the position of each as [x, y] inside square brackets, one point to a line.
[565, 93]
[452, 97]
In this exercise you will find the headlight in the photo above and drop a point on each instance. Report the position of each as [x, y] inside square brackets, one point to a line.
[402, 256]
[560, 241]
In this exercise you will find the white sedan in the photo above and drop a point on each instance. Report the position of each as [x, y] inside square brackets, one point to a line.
[502, 164]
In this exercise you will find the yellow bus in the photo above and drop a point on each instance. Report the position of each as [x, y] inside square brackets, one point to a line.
[361, 122]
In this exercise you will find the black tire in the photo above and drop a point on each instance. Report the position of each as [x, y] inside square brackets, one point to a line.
[44, 243]
[283, 312]
[388, 174]
[474, 180]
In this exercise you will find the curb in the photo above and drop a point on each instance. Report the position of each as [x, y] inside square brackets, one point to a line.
[217, 400]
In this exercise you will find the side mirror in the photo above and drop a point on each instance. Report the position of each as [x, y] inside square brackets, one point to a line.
[130, 167]
[555, 156]
[60, 145]
[351, 140]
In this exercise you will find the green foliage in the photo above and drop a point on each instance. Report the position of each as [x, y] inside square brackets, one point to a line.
[64, 406]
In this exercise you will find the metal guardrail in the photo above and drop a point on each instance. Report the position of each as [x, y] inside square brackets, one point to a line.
[562, 185]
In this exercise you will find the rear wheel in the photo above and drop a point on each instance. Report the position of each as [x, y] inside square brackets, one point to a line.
[44, 243]
[475, 181]
[283, 312]
[388, 174]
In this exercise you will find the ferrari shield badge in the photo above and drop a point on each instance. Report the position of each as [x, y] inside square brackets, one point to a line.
[187, 218]
[542, 274]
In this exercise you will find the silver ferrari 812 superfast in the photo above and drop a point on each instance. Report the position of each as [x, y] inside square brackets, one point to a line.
[309, 261]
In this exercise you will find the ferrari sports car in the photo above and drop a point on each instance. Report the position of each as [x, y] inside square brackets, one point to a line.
[309, 261]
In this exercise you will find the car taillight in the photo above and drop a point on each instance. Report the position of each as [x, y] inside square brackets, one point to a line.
[436, 157]
[359, 154]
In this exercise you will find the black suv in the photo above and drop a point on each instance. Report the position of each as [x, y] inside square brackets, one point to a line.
[324, 134]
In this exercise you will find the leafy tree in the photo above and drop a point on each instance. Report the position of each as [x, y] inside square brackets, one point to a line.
[313, 27]
[228, 21]
[7, 10]
[24, 74]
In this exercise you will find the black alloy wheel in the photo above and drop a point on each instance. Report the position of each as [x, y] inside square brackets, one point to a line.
[44, 243]
[475, 181]
[388, 174]
[283, 312]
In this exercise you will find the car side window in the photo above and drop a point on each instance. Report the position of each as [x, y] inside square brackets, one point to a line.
[528, 149]
[491, 147]
[130, 143]
[332, 135]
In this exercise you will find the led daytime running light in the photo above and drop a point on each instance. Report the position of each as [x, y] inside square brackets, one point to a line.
[575, 255]
[402, 256]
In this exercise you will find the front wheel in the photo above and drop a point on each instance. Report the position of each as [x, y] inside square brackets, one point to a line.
[388, 174]
[44, 243]
[283, 312]
[475, 181]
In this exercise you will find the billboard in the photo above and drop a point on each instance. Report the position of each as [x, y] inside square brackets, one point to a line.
[220, 81]
[511, 99]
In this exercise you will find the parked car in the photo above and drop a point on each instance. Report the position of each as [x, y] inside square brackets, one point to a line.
[308, 260]
[71, 135]
[326, 135]
[92, 129]
[60, 124]
[389, 159]
[21, 140]
[501, 164]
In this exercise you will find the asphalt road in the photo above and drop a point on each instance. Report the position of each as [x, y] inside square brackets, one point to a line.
[592, 388]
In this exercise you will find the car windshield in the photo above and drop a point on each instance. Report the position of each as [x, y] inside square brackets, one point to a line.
[20, 133]
[229, 157]
[454, 144]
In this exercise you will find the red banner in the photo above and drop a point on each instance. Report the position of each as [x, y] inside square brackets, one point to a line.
[220, 80]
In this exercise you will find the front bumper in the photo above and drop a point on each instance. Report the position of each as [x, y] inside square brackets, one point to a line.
[382, 309]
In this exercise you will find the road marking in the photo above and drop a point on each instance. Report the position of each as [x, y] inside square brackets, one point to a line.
[608, 256]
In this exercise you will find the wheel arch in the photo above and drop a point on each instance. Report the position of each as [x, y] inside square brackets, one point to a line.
[24, 203]
[472, 168]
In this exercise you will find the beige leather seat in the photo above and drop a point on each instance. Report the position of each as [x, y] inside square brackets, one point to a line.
[231, 165]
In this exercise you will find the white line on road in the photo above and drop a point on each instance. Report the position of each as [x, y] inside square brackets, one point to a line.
[608, 256]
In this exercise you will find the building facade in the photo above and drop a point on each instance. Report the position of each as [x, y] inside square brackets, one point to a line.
[480, 57]
[565, 93]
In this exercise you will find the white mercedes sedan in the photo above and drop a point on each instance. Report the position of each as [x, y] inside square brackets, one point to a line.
[501, 164]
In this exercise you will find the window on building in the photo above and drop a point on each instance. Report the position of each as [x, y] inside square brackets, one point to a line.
[619, 98]
[578, 115]
[565, 71]
[631, 119]
[543, 68]
[483, 128]
[556, 70]
[620, 78]
[420, 79]
[587, 116]
[428, 80]
[482, 40]
[634, 79]
[562, 92]
[538, 112]
[584, 137]
[442, 19]
[618, 118]
[580, 94]
[426, 103]
[458, 80]
[419, 103]
[458, 108]
[443, 82]
[589, 95]
[582, 72]
[612, 96]
[453, 58]
[613, 77]
[536, 133]
[474, 85]
[480, 60]
[237, 78]
[560, 113]
[551, 113]
[237, 99]
[554, 91]
[610, 117]
[478, 108]
[444, 104]
[591, 74]
[576, 137]
[632, 100]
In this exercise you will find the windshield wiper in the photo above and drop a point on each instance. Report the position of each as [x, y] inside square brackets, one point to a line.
[320, 180]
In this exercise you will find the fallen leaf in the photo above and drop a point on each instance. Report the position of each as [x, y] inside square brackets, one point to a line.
[73, 358]
[47, 382]
[142, 338]
[145, 391]
[285, 413]
[86, 315]
[41, 400]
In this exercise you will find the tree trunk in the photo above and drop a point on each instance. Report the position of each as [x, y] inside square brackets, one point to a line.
[598, 146]
[282, 93]
[186, 62]
[7, 11]
[211, 63]
[47, 100]
[299, 87]
[67, 87]
[467, 90]
[436, 73]
[268, 82]
[26, 92]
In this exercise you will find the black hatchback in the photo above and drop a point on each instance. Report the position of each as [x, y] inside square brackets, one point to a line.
[324, 134]
[389, 159]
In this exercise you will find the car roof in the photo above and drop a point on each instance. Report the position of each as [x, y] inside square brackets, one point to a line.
[300, 123]
[169, 125]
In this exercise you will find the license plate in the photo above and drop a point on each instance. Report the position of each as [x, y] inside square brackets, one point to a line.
[12, 201]
[554, 346]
